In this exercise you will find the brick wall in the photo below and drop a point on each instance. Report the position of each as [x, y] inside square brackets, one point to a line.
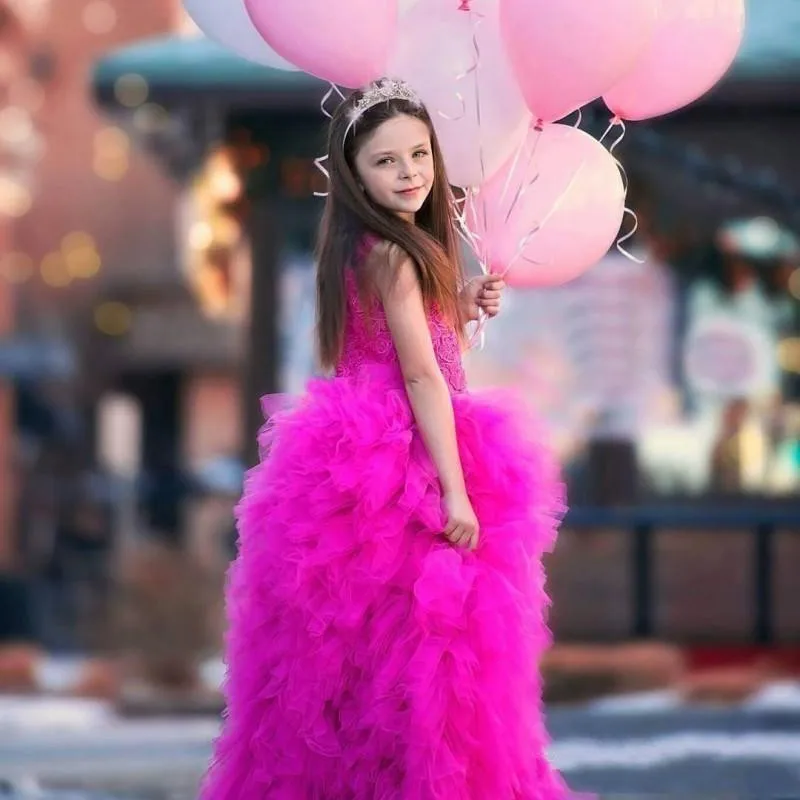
[131, 215]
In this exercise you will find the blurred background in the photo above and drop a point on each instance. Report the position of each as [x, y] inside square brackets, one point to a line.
[156, 225]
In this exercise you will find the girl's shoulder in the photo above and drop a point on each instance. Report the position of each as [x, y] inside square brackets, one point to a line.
[374, 252]
[371, 246]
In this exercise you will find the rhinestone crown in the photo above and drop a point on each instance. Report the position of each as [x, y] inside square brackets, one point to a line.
[382, 92]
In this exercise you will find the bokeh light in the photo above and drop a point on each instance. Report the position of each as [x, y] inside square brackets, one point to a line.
[131, 90]
[15, 198]
[54, 271]
[80, 255]
[112, 140]
[151, 118]
[111, 154]
[223, 183]
[113, 318]
[77, 240]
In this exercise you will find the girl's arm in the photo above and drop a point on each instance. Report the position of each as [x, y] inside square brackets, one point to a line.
[427, 389]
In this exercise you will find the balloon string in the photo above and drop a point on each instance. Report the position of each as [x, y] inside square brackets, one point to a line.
[523, 187]
[469, 210]
[320, 166]
[463, 236]
[318, 162]
[477, 340]
[475, 20]
[460, 115]
[467, 201]
[472, 238]
[512, 169]
[617, 122]
[333, 90]
[629, 235]
[525, 241]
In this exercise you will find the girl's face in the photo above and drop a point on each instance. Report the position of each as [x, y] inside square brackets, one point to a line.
[395, 165]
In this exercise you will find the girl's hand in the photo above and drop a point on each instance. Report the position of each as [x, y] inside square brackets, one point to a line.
[462, 527]
[482, 294]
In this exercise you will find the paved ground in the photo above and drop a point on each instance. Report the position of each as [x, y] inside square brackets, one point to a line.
[643, 747]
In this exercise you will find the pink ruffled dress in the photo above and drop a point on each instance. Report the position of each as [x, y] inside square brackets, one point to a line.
[368, 659]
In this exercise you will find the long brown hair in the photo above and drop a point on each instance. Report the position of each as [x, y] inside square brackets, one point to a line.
[431, 242]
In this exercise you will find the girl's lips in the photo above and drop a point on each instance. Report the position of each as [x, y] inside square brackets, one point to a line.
[410, 191]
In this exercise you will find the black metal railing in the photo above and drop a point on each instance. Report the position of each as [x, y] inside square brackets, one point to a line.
[644, 523]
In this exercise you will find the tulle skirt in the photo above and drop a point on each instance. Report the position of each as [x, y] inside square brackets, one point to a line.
[369, 659]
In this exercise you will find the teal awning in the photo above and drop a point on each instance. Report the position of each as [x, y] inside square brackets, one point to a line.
[771, 47]
[767, 69]
[175, 67]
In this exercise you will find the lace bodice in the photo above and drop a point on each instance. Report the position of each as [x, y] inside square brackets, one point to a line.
[368, 341]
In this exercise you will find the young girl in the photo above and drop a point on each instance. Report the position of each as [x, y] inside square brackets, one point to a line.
[386, 610]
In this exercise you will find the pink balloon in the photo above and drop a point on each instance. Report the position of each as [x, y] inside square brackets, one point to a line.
[566, 53]
[480, 116]
[690, 50]
[346, 42]
[231, 26]
[551, 212]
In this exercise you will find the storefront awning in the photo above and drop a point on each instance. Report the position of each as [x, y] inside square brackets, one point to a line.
[771, 49]
[178, 68]
[182, 68]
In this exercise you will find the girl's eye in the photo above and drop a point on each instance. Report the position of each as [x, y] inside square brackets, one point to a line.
[384, 161]
[420, 154]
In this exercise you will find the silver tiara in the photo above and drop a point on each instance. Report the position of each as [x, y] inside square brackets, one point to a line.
[382, 92]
